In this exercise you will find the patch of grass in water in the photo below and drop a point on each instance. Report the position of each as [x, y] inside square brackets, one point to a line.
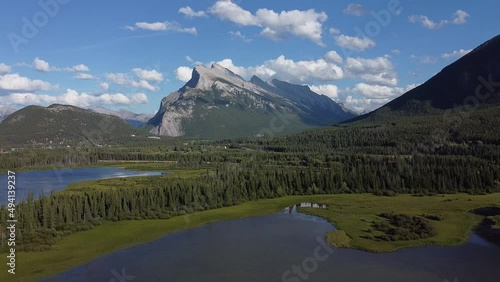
[338, 238]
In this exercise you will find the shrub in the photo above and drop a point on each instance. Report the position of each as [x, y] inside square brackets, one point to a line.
[402, 227]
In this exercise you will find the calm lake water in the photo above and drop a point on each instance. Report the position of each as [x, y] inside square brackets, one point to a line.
[264, 248]
[58, 179]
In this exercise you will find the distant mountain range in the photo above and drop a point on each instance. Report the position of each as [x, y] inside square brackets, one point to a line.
[136, 120]
[218, 103]
[5, 112]
[62, 125]
[471, 82]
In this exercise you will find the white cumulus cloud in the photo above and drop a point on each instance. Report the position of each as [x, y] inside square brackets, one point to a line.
[104, 86]
[306, 24]
[355, 10]
[190, 13]
[162, 26]
[139, 98]
[84, 76]
[460, 17]
[371, 96]
[126, 80]
[354, 43]
[15, 82]
[333, 57]
[183, 73]
[148, 75]
[227, 10]
[78, 68]
[4, 68]
[379, 70]
[72, 97]
[374, 91]
[43, 66]
[301, 71]
[455, 54]
[333, 30]
[329, 90]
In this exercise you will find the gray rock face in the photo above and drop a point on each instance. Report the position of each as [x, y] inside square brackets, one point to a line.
[219, 103]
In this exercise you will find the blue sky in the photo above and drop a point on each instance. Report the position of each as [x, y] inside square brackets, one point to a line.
[130, 54]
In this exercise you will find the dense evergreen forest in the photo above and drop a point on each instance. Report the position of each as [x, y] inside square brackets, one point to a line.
[419, 155]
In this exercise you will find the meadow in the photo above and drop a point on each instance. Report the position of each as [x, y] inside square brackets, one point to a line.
[354, 214]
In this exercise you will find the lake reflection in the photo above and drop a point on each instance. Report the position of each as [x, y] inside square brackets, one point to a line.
[263, 248]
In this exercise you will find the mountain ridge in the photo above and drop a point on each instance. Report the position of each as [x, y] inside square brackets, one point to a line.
[217, 96]
[134, 119]
[60, 124]
[471, 81]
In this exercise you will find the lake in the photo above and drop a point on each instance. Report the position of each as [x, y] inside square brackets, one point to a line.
[286, 246]
[58, 179]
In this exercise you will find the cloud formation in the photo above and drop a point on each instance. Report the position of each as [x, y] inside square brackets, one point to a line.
[44, 66]
[4, 68]
[329, 90]
[355, 10]
[162, 26]
[306, 24]
[374, 91]
[239, 35]
[190, 13]
[460, 17]
[126, 80]
[333, 57]
[72, 97]
[424, 59]
[371, 96]
[354, 43]
[183, 73]
[148, 75]
[84, 76]
[375, 79]
[16, 83]
[78, 68]
[331, 67]
[455, 54]
[379, 70]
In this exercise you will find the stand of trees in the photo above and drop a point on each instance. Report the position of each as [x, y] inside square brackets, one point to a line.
[51, 216]
[384, 159]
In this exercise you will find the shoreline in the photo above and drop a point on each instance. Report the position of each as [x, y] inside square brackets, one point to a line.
[74, 250]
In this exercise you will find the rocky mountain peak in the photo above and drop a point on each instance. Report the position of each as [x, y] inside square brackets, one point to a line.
[217, 103]
[204, 77]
